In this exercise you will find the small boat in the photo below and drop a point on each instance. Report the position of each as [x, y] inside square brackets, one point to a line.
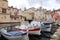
[14, 35]
[46, 29]
[32, 28]
[46, 26]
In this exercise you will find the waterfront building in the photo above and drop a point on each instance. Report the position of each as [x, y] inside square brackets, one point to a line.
[4, 11]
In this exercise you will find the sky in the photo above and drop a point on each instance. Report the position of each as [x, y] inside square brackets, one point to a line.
[48, 4]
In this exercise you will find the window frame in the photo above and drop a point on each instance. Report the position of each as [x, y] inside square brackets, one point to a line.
[3, 10]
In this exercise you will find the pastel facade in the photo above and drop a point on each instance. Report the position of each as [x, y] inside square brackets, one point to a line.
[21, 17]
[40, 13]
[29, 13]
[48, 16]
[17, 15]
[13, 14]
[56, 15]
[4, 11]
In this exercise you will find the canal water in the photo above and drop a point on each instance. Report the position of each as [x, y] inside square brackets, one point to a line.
[37, 37]
[31, 37]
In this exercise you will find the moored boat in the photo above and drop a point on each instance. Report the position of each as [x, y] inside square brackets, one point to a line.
[33, 28]
[14, 35]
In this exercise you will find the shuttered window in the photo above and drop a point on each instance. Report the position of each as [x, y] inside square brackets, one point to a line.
[3, 10]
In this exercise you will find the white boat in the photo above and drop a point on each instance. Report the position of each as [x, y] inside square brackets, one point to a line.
[46, 26]
[14, 35]
[33, 28]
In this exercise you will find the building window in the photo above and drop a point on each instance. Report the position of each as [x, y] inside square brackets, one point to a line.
[21, 17]
[3, 10]
[4, 17]
[14, 18]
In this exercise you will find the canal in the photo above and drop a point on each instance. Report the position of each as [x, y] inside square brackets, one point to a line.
[31, 37]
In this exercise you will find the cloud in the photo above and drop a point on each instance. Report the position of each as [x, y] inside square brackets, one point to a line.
[18, 3]
[48, 4]
[33, 2]
[58, 1]
[24, 3]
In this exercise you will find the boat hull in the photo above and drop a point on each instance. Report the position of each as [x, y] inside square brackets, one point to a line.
[16, 38]
[32, 31]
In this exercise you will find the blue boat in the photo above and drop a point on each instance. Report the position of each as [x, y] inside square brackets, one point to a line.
[14, 35]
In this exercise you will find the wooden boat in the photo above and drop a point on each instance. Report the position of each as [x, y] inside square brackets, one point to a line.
[33, 28]
[46, 26]
[14, 35]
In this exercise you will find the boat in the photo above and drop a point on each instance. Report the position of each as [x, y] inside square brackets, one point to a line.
[46, 26]
[46, 29]
[14, 35]
[32, 28]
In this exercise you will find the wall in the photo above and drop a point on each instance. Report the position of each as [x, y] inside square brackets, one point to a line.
[4, 18]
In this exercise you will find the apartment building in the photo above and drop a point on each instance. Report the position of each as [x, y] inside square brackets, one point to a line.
[13, 14]
[34, 14]
[37, 15]
[40, 13]
[29, 13]
[4, 11]
[9, 14]
[48, 16]
[21, 15]
[56, 14]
